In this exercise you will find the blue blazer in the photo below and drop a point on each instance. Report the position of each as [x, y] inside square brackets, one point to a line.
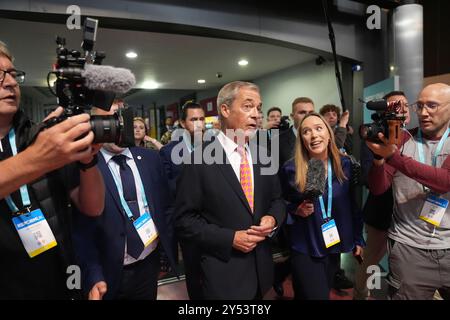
[172, 170]
[100, 242]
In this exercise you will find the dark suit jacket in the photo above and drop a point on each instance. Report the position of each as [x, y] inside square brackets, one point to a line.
[172, 170]
[210, 207]
[287, 146]
[100, 242]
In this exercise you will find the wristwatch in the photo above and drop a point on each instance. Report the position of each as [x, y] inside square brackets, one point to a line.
[86, 166]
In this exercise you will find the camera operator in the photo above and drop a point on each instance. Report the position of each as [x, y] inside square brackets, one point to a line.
[377, 211]
[273, 118]
[35, 197]
[419, 236]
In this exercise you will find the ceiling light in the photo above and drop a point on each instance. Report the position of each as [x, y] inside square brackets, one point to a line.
[243, 62]
[131, 54]
[150, 84]
[392, 68]
[201, 81]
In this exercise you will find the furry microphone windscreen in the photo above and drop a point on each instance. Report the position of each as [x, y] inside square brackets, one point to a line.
[107, 78]
[315, 179]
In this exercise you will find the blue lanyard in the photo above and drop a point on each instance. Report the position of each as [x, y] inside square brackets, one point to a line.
[436, 152]
[125, 206]
[23, 189]
[327, 215]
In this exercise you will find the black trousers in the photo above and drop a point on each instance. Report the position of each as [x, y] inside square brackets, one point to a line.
[192, 268]
[311, 276]
[140, 279]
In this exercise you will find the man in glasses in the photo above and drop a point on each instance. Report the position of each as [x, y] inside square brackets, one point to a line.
[377, 211]
[36, 190]
[419, 172]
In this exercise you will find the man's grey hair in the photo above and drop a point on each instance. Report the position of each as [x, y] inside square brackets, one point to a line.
[229, 91]
[5, 52]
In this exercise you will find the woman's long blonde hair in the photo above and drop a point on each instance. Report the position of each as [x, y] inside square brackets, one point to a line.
[302, 156]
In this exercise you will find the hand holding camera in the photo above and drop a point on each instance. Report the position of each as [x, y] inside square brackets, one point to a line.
[61, 144]
[388, 120]
[383, 150]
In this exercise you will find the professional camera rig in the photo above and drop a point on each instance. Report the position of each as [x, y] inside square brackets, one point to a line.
[81, 83]
[388, 120]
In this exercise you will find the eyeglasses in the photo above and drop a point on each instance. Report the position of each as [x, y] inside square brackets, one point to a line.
[430, 106]
[17, 75]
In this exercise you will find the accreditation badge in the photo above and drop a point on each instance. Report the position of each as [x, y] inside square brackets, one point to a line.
[330, 233]
[35, 233]
[434, 209]
[146, 228]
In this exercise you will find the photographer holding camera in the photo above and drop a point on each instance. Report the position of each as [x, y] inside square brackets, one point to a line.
[37, 187]
[419, 236]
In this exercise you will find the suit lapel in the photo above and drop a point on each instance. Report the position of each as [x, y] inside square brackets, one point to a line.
[256, 184]
[230, 176]
[109, 181]
[292, 139]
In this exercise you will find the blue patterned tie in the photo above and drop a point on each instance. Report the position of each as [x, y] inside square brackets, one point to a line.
[134, 242]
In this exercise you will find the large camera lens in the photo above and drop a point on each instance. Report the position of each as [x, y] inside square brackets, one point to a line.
[370, 131]
[116, 128]
[106, 128]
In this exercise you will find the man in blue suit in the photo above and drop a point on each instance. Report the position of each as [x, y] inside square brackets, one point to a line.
[183, 141]
[119, 253]
[193, 124]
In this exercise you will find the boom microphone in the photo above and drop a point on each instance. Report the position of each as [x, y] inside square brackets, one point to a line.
[315, 179]
[107, 78]
[104, 78]
[377, 105]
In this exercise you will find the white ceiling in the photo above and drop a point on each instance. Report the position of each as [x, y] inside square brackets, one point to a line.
[174, 61]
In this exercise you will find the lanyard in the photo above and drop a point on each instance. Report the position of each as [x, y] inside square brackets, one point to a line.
[125, 206]
[436, 152]
[327, 215]
[23, 189]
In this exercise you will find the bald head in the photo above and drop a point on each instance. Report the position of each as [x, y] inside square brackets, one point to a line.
[437, 89]
[434, 121]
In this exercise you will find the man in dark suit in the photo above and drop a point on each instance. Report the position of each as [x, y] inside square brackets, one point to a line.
[300, 108]
[124, 260]
[183, 141]
[228, 209]
[193, 123]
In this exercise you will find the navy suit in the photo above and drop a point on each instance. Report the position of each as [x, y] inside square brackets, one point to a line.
[100, 242]
[191, 254]
[172, 170]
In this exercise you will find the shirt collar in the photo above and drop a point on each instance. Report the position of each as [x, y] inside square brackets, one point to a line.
[228, 145]
[187, 140]
[295, 131]
[108, 155]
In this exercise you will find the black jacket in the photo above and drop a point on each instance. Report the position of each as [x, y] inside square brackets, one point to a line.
[210, 207]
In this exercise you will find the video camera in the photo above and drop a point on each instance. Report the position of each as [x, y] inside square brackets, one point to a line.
[82, 83]
[387, 120]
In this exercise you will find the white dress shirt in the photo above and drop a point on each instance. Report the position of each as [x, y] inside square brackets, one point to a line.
[115, 171]
[234, 157]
